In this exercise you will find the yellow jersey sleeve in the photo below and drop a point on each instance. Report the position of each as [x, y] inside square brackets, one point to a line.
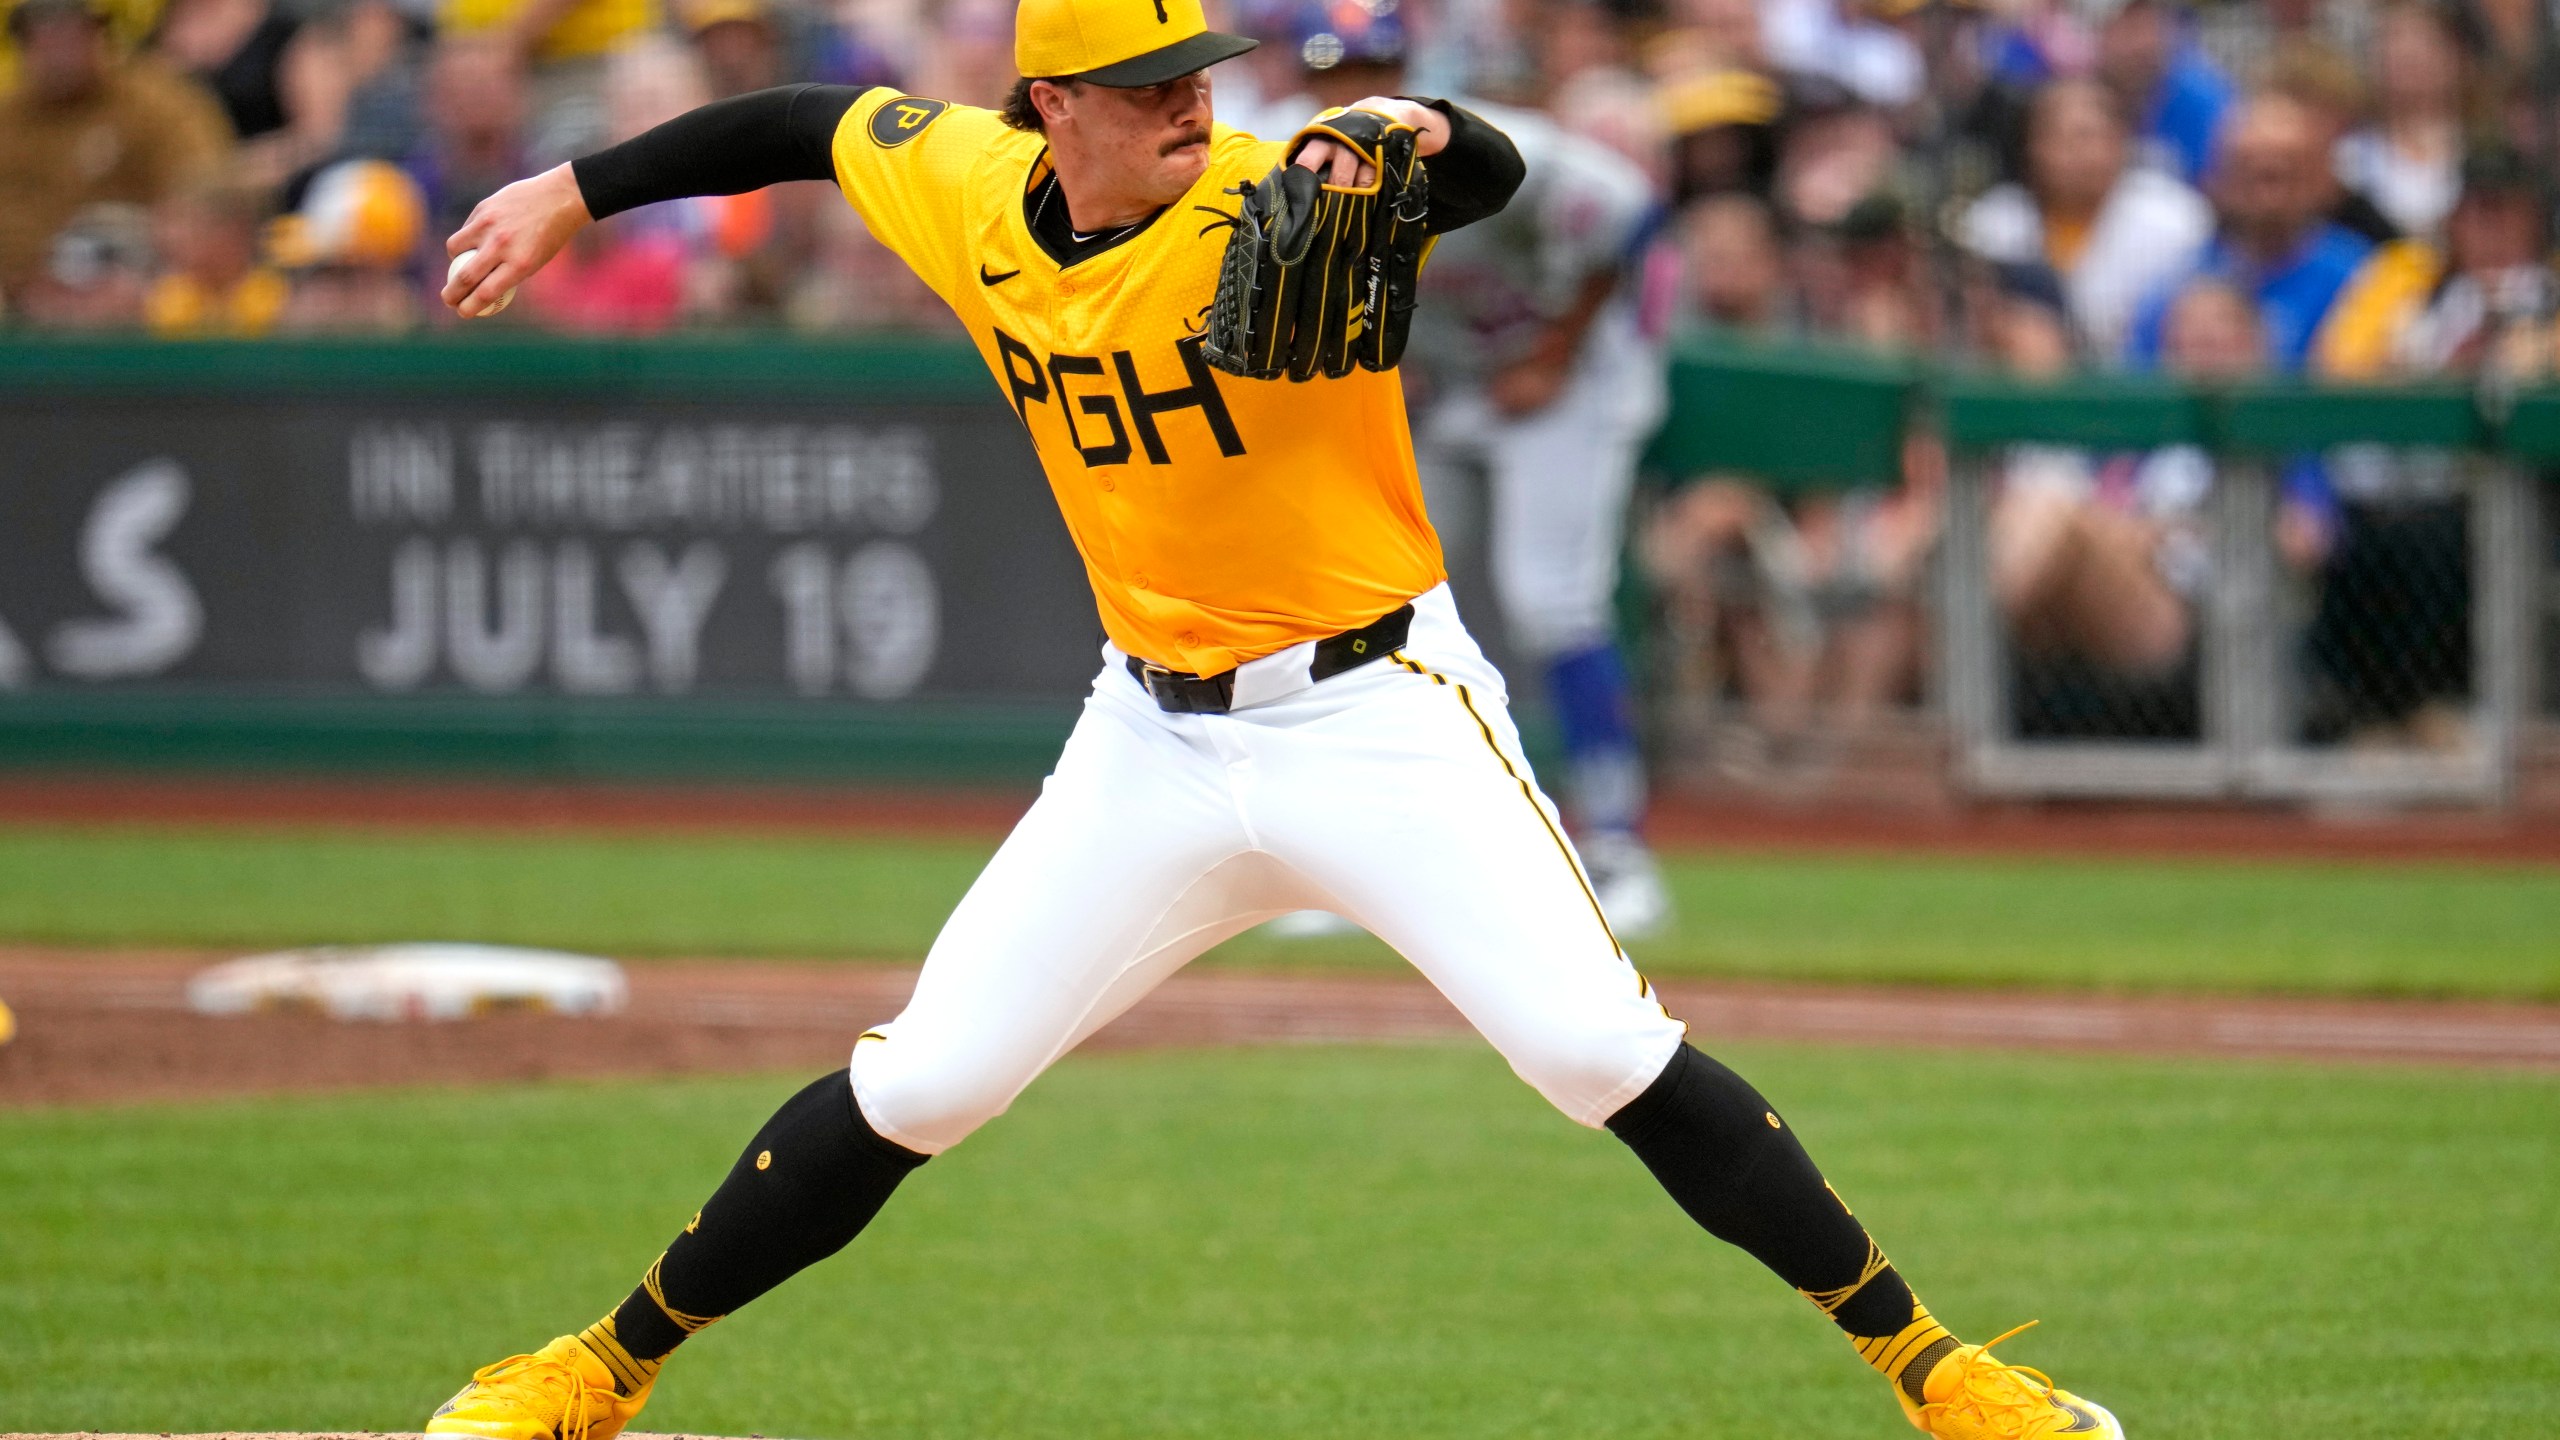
[913, 168]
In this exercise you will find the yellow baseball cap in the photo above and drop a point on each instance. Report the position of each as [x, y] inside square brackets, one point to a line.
[363, 213]
[1122, 43]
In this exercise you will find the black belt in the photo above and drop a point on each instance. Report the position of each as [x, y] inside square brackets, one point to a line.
[1180, 693]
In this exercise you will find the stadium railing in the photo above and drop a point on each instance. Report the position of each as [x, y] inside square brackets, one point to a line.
[1794, 417]
[2311, 680]
[2400, 666]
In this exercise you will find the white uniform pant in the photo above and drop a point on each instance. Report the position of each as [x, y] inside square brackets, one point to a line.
[1394, 794]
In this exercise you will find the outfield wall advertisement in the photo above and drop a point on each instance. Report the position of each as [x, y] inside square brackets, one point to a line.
[540, 548]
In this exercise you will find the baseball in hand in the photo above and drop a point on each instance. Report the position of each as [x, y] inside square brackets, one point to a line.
[454, 271]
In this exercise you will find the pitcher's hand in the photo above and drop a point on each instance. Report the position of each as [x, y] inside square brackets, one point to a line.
[1341, 167]
[516, 231]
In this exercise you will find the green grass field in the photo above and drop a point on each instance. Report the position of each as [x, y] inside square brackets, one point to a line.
[2467, 930]
[1319, 1242]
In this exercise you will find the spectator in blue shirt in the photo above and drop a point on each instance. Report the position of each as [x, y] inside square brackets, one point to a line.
[2272, 188]
[2178, 99]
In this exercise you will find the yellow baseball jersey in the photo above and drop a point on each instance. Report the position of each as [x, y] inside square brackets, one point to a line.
[1220, 519]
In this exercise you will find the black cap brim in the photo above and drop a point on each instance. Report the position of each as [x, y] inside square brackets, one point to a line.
[1170, 63]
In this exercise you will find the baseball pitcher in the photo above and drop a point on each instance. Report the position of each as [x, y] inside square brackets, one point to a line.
[1198, 330]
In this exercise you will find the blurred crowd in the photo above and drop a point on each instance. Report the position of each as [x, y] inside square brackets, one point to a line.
[2339, 191]
[2351, 189]
[2042, 183]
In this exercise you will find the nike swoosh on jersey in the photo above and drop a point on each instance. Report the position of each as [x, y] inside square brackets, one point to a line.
[989, 277]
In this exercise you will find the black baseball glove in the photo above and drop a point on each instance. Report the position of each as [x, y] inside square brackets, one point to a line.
[1320, 277]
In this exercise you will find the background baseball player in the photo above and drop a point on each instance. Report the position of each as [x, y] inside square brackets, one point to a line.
[1538, 382]
[1289, 713]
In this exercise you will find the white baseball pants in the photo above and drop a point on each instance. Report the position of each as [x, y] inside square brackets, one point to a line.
[1394, 794]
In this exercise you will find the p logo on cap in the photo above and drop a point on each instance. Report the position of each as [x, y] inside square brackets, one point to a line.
[1127, 43]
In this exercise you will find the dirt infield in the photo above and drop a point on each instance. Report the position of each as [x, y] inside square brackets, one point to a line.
[2092, 829]
[99, 1028]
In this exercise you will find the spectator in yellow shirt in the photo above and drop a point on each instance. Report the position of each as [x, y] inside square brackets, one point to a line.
[213, 284]
[83, 127]
[2484, 298]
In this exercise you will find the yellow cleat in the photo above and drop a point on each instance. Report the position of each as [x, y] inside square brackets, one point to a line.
[560, 1392]
[1975, 1397]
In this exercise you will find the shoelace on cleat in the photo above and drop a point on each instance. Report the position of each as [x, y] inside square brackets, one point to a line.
[2011, 1402]
[547, 1381]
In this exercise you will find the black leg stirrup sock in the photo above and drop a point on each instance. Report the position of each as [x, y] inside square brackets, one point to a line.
[804, 1187]
[1719, 1147]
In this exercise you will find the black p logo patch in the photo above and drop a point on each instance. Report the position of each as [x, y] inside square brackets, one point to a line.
[903, 119]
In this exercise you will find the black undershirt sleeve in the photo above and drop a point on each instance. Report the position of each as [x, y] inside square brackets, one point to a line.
[1474, 175]
[727, 147]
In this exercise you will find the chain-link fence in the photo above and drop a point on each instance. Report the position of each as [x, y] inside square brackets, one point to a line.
[2282, 592]
[2532, 437]
[1778, 577]
[2112, 587]
[2385, 609]
[2547, 652]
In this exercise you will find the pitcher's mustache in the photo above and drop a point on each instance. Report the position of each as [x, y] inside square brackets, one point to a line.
[1187, 137]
